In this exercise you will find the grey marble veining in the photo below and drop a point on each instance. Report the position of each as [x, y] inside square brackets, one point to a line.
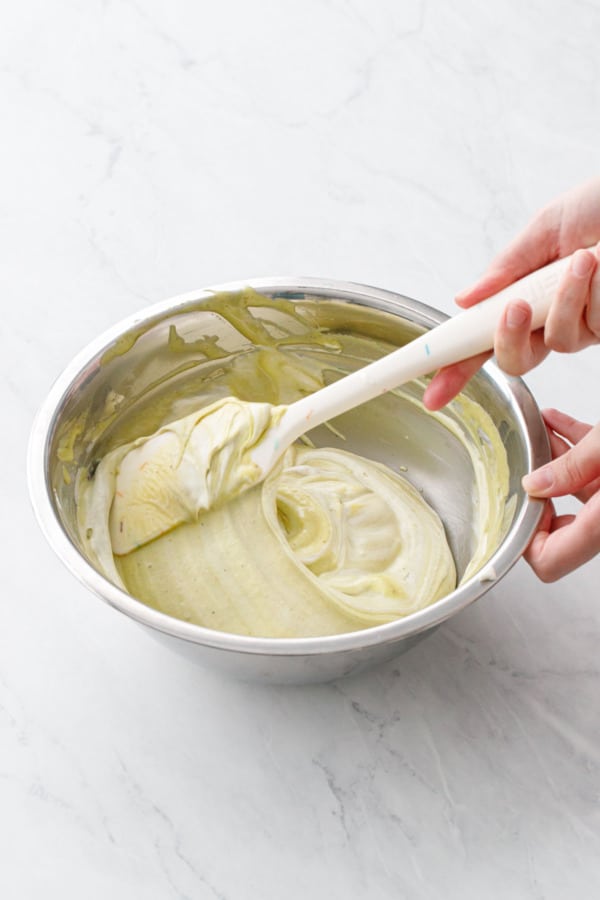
[152, 148]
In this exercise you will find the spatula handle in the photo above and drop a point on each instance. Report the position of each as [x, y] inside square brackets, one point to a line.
[472, 331]
[464, 335]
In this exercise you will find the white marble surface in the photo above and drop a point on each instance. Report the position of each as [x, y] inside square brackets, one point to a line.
[149, 148]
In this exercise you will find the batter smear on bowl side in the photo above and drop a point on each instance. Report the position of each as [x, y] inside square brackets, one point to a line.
[330, 542]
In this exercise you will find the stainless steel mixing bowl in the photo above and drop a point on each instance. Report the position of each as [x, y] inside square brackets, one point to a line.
[132, 361]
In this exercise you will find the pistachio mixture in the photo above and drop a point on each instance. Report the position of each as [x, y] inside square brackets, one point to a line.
[330, 542]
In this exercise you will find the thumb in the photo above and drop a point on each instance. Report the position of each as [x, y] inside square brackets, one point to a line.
[570, 472]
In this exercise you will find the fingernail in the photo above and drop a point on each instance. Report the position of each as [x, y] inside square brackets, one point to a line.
[540, 480]
[581, 264]
[516, 315]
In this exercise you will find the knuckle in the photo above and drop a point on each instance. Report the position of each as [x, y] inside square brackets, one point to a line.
[562, 336]
[544, 220]
[560, 343]
[511, 365]
[511, 358]
[593, 325]
[572, 472]
[592, 314]
[541, 562]
[546, 574]
[570, 423]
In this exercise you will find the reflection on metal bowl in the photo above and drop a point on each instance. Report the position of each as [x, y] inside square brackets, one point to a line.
[161, 360]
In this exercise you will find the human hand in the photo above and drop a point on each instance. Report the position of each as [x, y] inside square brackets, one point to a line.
[569, 224]
[562, 543]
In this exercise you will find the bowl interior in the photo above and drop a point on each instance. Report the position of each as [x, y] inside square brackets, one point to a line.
[187, 354]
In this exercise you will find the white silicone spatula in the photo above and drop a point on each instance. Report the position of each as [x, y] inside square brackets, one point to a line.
[466, 334]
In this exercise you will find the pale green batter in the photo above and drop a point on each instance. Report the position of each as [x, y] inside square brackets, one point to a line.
[330, 542]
